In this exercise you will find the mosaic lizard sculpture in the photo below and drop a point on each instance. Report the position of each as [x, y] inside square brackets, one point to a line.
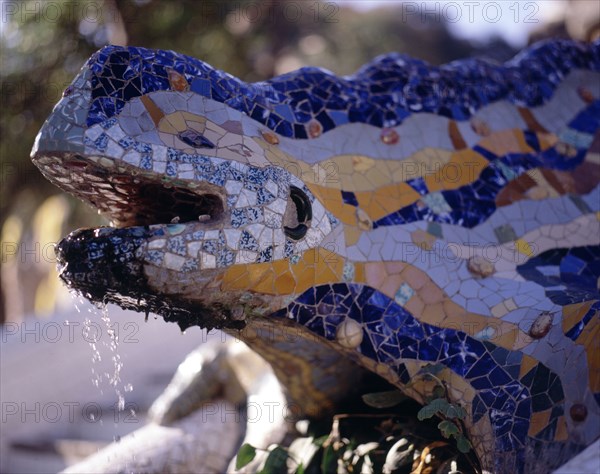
[403, 216]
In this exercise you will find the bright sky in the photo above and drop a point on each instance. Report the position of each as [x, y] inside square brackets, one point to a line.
[477, 19]
[468, 19]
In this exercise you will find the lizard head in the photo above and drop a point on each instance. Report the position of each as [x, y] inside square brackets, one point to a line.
[203, 205]
[290, 199]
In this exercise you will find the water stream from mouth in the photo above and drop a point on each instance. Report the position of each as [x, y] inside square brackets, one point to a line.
[103, 340]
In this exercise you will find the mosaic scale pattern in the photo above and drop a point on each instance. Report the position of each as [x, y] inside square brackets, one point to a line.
[402, 216]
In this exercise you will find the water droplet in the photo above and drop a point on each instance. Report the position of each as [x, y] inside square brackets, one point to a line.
[106, 361]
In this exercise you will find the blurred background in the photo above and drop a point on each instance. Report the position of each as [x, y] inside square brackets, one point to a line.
[42, 46]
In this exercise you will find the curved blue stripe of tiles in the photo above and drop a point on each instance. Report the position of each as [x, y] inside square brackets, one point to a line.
[395, 84]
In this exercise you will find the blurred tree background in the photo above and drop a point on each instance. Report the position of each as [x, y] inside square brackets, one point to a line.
[44, 43]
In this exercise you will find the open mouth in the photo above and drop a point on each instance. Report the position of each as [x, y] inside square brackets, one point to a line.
[130, 197]
[103, 263]
[154, 203]
[116, 264]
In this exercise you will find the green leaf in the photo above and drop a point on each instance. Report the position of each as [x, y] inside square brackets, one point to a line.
[463, 444]
[384, 399]
[438, 392]
[448, 428]
[456, 411]
[439, 405]
[245, 455]
[329, 462]
[276, 461]
[320, 440]
[300, 469]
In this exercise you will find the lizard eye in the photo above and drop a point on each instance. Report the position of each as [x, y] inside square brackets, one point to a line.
[193, 138]
[298, 215]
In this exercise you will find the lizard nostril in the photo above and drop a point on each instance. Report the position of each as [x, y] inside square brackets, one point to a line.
[298, 221]
[195, 139]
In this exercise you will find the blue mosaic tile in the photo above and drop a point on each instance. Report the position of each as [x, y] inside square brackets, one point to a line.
[101, 142]
[146, 162]
[283, 100]
[265, 255]
[578, 270]
[488, 368]
[348, 197]
[248, 242]
[177, 245]
[126, 142]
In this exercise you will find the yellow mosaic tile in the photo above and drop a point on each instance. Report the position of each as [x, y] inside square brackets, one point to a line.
[391, 284]
[422, 239]
[562, 431]
[317, 266]
[332, 199]
[573, 313]
[359, 272]
[502, 142]
[234, 273]
[431, 293]
[589, 339]
[415, 277]
[547, 140]
[377, 177]
[177, 121]
[361, 164]
[414, 304]
[155, 113]
[351, 235]
[356, 182]
[499, 310]
[527, 363]
[198, 126]
[375, 274]
[523, 145]
[464, 167]
[539, 421]
[523, 247]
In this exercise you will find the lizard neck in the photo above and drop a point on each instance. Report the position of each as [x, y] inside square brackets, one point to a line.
[305, 364]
